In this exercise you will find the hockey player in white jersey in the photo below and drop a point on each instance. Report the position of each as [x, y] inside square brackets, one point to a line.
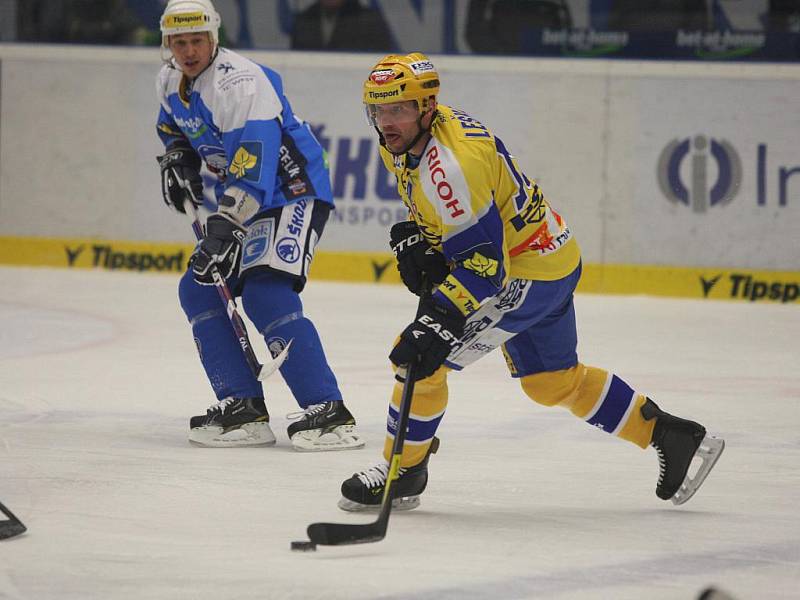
[504, 265]
[273, 196]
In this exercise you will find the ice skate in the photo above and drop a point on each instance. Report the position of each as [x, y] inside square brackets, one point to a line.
[321, 427]
[232, 423]
[678, 442]
[364, 490]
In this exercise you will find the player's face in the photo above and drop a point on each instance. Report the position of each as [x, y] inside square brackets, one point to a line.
[398, 122]
[192, 51]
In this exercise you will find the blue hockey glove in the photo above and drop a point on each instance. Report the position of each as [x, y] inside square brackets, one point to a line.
[415, 258]
[430, 339]
[220, 248]
[180, 167]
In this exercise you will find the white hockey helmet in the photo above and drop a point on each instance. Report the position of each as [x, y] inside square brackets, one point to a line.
[189, 16]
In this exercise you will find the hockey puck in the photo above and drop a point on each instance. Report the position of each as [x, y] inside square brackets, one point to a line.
[304, 546]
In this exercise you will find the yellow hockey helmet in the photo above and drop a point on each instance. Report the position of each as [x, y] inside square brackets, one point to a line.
[398, 78]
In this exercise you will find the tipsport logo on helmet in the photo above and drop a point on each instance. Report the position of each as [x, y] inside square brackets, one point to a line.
[194, 19]
[699, 194]
[384, 94]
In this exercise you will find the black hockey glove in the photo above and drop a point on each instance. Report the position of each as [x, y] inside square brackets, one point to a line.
[430, 338]
[220, 248]
[415, 258]
[180, 167]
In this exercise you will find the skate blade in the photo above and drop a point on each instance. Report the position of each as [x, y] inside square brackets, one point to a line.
[407, 503]
[249, 434]
[343, 437]
[709, 451]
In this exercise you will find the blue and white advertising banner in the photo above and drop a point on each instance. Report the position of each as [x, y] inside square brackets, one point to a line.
[680, 164]
[716, 172]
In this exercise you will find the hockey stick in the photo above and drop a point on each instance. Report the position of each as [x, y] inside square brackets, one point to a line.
[260, 371]
[338, 534]
[12, 527]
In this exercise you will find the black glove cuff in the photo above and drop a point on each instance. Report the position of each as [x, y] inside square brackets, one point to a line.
[224, 229]
[448, 316]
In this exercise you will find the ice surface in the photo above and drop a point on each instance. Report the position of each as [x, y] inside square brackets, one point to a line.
[98, 378]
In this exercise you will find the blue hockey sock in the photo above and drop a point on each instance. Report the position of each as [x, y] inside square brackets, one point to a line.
[220, 353]
[274, 307]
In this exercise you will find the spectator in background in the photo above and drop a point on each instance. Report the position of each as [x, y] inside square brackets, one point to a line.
[340, 25]
[784, 16]
[77, 21]
[658, 15]
[498, 26]
[739, 15]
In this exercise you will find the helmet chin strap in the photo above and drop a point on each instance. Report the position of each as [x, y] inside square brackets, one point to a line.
[412, 143]
[210, 62]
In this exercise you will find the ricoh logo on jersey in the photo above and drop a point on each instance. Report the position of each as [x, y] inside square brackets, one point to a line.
[443, 188]
[685, 168]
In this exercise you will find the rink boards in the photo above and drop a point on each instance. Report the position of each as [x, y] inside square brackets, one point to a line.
[687, 282]
[677, 179]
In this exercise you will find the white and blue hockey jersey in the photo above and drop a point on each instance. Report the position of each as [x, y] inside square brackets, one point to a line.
[235, 115]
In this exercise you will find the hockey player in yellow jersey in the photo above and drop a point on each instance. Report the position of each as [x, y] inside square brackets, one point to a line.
[495, 265]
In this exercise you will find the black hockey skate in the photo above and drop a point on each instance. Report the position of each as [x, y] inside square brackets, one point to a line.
[232, 423]
[677, 442]
[364, 490]
[327, 426]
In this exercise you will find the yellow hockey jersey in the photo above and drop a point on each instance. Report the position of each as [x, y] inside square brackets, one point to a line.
[473, 204]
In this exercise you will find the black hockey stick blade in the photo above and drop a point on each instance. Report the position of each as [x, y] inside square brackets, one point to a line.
[11, 527]
[341, 534]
